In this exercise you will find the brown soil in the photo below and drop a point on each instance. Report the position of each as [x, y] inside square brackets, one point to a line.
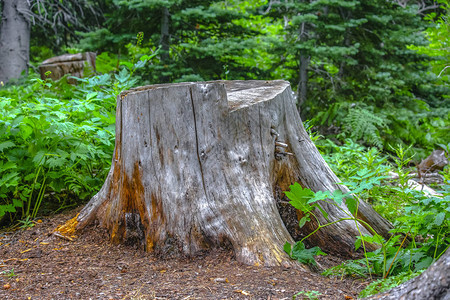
[36, 264]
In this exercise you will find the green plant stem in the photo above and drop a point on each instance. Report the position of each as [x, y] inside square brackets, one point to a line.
[323, 226]
[32, 189]
[437, 243]
[351, 217]
[364, 248]
[442, 252]
[398, 250]
[39, 199]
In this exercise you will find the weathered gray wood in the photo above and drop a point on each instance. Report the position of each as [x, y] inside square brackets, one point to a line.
[433, 284]
[73, 64]
[196, 166]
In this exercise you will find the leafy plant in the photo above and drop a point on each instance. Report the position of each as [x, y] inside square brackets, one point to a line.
[382, 285]
[350, 268]
[363, 124]
[350, 157]
[47, 140]
[26, 223]
[312, 295]
[56, 141]
[421, 223]
[306, 201]
[301, 254]
[9, 273]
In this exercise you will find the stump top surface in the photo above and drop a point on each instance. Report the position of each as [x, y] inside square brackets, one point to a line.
[240, 93]
[65, 58]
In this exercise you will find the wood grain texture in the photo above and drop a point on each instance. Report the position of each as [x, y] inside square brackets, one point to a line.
[196, 167]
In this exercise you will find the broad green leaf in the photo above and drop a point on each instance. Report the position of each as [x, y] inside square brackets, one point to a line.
[306, 256]
[6, 208]
[91, 95]
[6, 145]
[38, 159]
[17, 202]
[358, 243]
[338, 196]
[423, 264]
[299, 197]
[324, 213]
[303, 220]
[352, 205]
[9, 179]
[440, 217]
[7, 166]
[287, 248]
[320, 195]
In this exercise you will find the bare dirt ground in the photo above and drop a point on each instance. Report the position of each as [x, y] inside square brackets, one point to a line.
[36, 264]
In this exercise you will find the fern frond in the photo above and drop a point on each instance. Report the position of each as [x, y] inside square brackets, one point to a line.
[365, 125]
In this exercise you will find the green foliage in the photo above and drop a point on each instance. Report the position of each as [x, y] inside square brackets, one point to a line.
[26, 223]
[52, 145]
[350, 268]
[421, 223]
[204, 37]
[363, 76]
[383, 285]
[312, 295]
[301, 254]
[306, 201]
[56, 141]
[427, 219]
[9, 273]
[347, 159]
[438, 34]
[361, 124]
[357, 49]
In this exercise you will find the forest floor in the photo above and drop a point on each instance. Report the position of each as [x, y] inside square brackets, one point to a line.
[36, 264]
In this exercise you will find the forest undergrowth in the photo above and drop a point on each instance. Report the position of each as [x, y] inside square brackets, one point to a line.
[57, 140]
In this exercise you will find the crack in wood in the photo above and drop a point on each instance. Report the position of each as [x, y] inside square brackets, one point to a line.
[197, 143]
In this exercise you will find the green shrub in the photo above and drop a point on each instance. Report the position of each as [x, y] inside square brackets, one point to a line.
[53, 149]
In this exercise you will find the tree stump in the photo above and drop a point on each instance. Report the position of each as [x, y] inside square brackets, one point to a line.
[202, 165]
[73, 64]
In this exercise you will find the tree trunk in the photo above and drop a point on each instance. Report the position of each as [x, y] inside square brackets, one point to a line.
[302, 90]
[196, 166]
[14, 39]
[433, 284]
[165, 41]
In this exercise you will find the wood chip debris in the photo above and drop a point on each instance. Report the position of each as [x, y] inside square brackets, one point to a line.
[62, 236]
[221, 280]
[245, 293]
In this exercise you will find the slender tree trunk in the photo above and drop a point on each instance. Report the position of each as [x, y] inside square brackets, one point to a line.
[302, 89]
[165, 41]
[202, 165]
[14, 39]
